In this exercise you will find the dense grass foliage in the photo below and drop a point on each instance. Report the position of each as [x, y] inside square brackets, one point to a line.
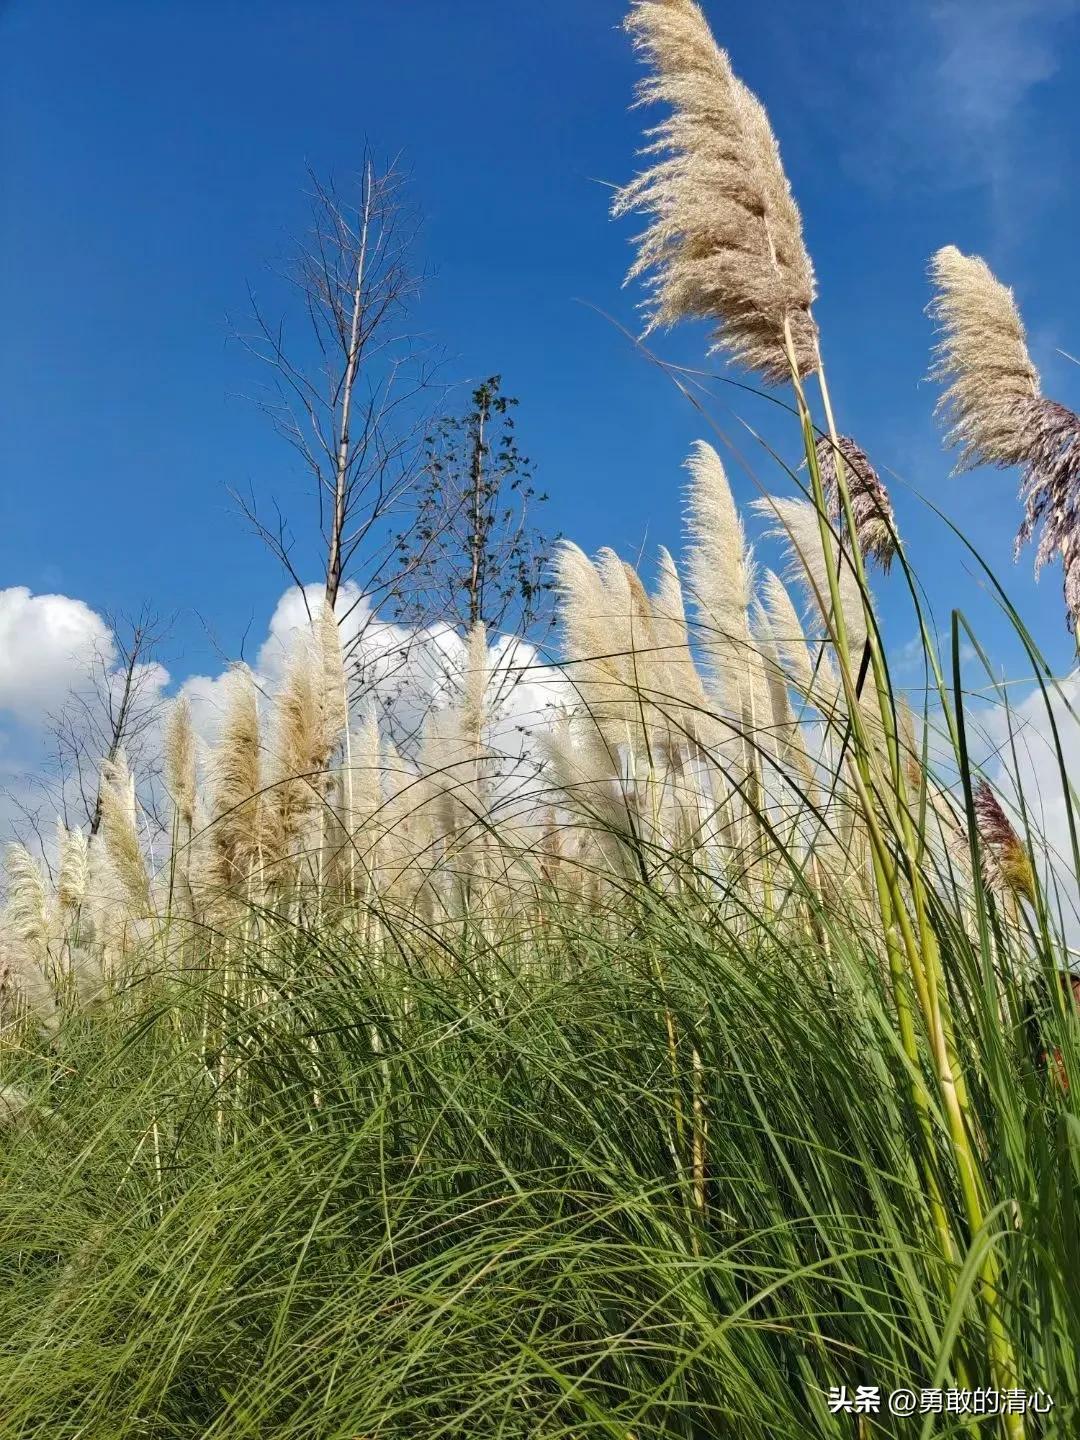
[647, 1069]
[658, 1186]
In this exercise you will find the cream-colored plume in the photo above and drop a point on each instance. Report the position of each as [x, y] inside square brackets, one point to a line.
[724, 242]
[303, 737]
[180, 762]
[722, 586]
[119, 831]
[334, 702]
[596, 666]
[588, 772]
[476, 682]
[685, 699]
[795, 521]
[783, 727]
[26, 916]
[365, 788]
[73, 866]
[788, 635]
[25, 934]
[996, 414]
[982, 357]
[408, 847]
[235, 783]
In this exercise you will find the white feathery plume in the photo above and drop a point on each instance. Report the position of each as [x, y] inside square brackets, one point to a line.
[724, 241]
[672, 634]
[298, 752]
[795, 522]
[365, 791]
[407, 849]
[24, 937]
[995, 412]
[983, 357]
[235, 783]
[629, 641]
[476, 681]
[180, 762]
[783, 727]
[26, 915]
[334, 703]
[787, 633]
[722, 585]
[595, 668]
[73, 866]
[587, 771]
[119, 831]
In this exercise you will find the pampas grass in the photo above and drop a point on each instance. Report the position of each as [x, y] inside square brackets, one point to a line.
[179, 752]
[795, 523]
[724, 242]
[721, 574]
[1006, 865]
[119, 831]
[871, 508]
[73, 866]
[235, 837]
[982, 357]
[333, 697]
[995, 414]
[1051, 495]
[676, 1004]
[27, 911]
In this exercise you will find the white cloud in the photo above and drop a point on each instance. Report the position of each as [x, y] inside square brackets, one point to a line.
[991, 54]
[940, 95]
[1029, 726]
[47, 643]
[402, 673]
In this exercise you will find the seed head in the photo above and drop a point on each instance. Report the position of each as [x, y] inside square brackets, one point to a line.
[724, 241]
[1005, 862]
[875, 524]
[996, 414]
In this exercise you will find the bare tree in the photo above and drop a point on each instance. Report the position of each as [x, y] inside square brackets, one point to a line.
[349, 400]
[114, 705]
[116, 708]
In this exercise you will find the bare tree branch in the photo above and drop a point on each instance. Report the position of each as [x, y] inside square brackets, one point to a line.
[350, 400]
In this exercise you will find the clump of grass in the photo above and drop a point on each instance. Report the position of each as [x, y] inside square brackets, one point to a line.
[650, 1090]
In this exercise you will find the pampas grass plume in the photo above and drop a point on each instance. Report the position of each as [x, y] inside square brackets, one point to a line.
[871, 507]
[795, 522]
[982, 357]
[27, 912]
[1006, 866]
[722, 583]
[119, 832]
[235, 780]
[334, 703]
[180, 776]
[73, 866]
[995, 413]
[724, 241]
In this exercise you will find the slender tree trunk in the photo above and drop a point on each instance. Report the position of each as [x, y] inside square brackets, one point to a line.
[352, 366]
[119, 726]
[476, 537]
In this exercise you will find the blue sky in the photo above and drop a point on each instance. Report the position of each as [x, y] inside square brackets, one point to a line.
[154, 161]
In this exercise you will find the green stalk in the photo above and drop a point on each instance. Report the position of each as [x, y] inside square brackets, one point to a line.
[935, 1005]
